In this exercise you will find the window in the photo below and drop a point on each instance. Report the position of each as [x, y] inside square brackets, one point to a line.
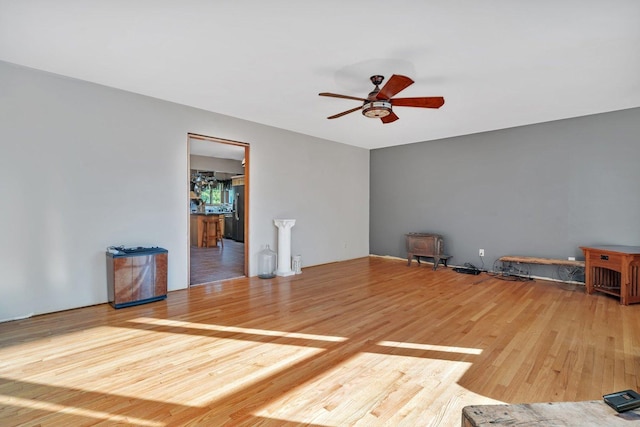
[211, 194]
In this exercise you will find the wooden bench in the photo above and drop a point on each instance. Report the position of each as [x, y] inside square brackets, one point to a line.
[542, 261]
[594, 413]
[567, 269]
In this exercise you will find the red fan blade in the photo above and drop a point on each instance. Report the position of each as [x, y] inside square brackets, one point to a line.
[335, 95]
[390, 118]
[424, 102]
[395, 84]
[345, 112]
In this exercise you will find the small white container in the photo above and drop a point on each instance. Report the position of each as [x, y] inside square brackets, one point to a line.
[296, 264]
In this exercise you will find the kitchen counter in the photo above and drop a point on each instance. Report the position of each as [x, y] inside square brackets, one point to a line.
[197, 226]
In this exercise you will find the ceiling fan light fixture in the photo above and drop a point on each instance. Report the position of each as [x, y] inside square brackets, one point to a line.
[376, 109]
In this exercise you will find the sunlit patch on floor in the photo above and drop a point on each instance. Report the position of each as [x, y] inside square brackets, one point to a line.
[379, 389]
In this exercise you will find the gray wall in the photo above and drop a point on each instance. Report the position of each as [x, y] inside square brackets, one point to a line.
[540, 190]
[83, 166]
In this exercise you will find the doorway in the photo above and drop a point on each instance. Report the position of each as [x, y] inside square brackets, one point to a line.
[218, 188]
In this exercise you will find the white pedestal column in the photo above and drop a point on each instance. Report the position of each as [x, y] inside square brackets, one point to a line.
[284, 246]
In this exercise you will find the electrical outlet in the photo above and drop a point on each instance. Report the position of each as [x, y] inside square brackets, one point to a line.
[481, 252]
[572, 258]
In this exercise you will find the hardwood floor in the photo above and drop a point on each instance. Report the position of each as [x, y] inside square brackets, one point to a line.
[363, 342]
[216, 263]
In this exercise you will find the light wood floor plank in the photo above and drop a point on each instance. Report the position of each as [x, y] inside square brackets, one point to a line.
[363, 342]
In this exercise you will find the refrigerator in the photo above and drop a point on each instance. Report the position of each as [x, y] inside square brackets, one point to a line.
[238, 215]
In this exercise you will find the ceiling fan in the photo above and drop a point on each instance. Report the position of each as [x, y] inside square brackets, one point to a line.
[380, 101]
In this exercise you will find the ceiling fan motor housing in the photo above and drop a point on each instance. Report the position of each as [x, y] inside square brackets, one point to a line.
[377, 79]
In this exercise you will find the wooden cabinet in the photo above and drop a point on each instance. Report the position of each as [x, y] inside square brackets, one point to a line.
[138, 278]
[237, 180]
[613, 270]
[426, 245]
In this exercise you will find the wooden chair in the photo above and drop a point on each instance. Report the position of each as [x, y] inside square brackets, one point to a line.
[212, 232]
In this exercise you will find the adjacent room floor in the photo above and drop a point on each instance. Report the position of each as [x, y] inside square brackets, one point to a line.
[217, 263]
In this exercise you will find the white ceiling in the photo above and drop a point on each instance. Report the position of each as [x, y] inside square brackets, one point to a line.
[223, 151]
[498, 63]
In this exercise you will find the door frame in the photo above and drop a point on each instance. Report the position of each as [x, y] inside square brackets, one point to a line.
[247, 183]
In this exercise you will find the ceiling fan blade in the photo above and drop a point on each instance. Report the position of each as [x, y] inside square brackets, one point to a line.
[345, 112]
[424, 102]
[335, 95]
[395, 84]
[390, 118]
